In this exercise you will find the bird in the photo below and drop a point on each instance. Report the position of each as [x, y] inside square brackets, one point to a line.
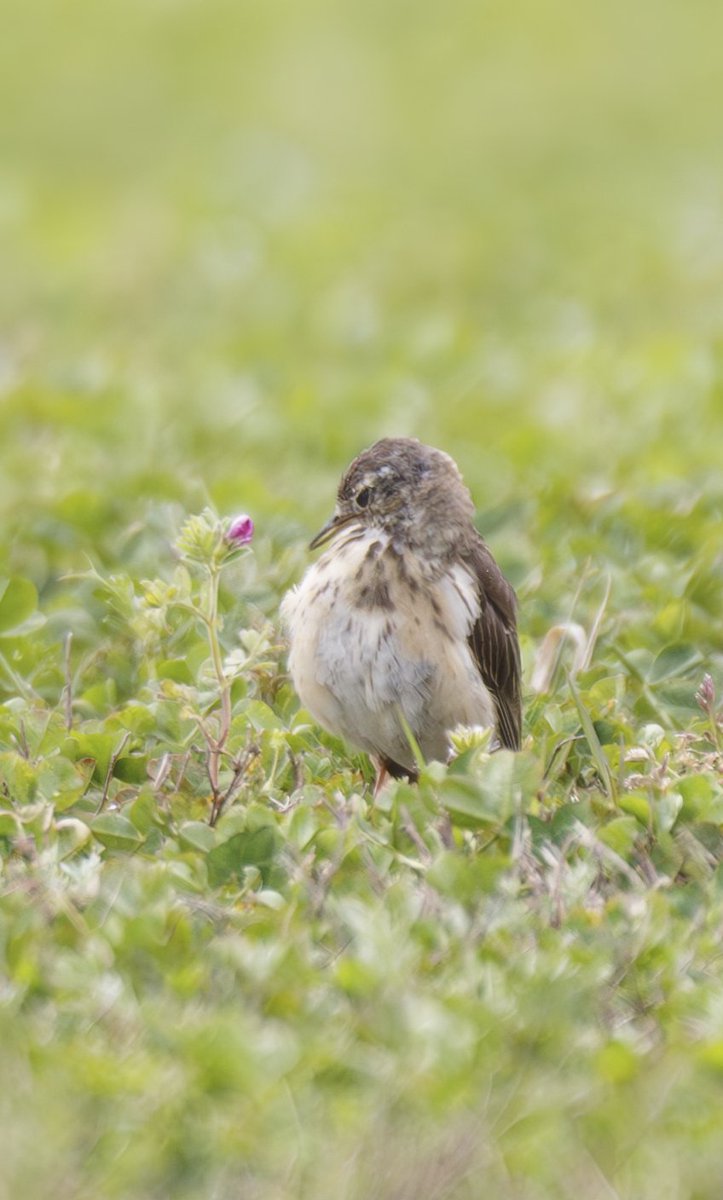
[406, 624]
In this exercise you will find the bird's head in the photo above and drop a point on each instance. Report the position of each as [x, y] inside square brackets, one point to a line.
[410, 491]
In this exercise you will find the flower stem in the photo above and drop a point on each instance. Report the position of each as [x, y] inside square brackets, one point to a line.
[217, 744]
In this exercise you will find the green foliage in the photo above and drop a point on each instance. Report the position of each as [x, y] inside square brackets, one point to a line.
[238, 244]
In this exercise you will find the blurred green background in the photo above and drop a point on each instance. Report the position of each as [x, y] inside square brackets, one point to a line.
[238, 242]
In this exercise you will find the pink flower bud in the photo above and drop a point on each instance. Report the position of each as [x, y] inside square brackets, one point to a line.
[241, 530]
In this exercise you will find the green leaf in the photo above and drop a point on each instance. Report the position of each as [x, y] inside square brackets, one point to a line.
[302, 826]
[637, 805]
[137, 718]
[133, 769]
[18, 604]
[667, 808]
[176, 669]
[116, 832]
[10, 826]
[98, 746]
[73, 835]
[466, 799]
[101, 697]
[496, 790]
[18, 777]
[260, 716]
[255, 848]
[61, 782]
[197, 835]
[620, 835]
[702, 798]
[674, 660]
[142, 812]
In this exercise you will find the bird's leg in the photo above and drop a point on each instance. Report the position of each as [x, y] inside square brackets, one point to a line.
[381, 778]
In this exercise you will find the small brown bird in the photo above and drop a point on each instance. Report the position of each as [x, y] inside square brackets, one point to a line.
[406, 622]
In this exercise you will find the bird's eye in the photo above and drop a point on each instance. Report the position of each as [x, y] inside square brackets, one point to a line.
[363, 497]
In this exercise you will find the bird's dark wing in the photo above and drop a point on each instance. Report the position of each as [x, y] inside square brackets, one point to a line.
[494, 643]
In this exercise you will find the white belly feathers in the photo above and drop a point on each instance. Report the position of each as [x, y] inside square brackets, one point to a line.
[374, 634]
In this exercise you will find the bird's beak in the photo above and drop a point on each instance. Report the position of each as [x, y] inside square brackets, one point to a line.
[338, 521]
